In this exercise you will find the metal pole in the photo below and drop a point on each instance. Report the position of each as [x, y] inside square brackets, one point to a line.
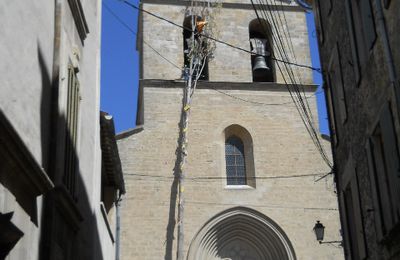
[183, 151]
[118, 229]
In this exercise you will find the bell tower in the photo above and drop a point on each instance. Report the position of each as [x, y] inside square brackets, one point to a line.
[250, 164]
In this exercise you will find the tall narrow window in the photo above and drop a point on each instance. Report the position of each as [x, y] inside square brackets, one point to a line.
[71, 135]
[235, 161]
[361, 25]
[261, 58]
[383, 163]
[191, 43]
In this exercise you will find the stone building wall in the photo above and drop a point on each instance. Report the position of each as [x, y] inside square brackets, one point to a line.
[232, 26]
[365, 99]
[282, 149]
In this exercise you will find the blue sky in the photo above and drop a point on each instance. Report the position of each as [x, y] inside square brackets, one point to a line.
[119, 64]
[120, 68]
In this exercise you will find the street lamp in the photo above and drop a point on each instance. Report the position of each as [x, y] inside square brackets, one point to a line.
[319, 230]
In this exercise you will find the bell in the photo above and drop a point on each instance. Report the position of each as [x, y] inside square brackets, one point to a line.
[259, 49]
[260, 64]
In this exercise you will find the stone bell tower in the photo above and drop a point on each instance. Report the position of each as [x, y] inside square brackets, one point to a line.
[252, 170]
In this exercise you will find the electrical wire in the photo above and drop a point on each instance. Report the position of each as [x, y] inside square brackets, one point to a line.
[301, 106]
[223, 178]
[135, 33]
[271, 206]
[212, 38]
[304, 109]
[176, 66]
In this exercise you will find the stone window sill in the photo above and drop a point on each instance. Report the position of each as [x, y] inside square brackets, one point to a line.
[238, 187]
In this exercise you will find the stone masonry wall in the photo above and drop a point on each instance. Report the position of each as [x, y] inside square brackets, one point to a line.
[282, 148]
[232, 27]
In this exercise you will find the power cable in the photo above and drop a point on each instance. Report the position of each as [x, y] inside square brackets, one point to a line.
[305, 106]
[135, 33]
[223, 178]
[306, 119]
[212, 38]
[302, 107]
[166, 203]
[176, 66]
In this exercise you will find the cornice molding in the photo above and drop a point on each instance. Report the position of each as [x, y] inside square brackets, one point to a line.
[222, 85]
[224, 5]
[27, 174]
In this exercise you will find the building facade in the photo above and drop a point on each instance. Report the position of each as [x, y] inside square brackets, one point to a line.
[252, 188]
[358, 43]
[59, 169]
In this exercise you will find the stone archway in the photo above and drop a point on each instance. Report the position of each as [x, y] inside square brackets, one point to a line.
[241, 234]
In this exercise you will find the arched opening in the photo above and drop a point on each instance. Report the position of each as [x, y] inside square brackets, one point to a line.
[235, 161]
[188, 45]
[260, 35]
[241, 233]
[239, 158]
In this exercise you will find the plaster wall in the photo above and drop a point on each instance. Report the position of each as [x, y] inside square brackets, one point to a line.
[26, 48]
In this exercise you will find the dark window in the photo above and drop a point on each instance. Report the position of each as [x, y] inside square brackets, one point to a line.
[362, 31]
[261, 59]
[367, 21]
[383, 164]
[200, 63]
[354, 234]
[331, 110]
[386, 3]
[336, 92]
[319, 22]
[235, 161]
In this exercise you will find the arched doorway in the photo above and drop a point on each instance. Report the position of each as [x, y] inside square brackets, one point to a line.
[241, 234]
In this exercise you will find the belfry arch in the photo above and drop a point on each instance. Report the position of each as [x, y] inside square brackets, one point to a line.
[241, 233]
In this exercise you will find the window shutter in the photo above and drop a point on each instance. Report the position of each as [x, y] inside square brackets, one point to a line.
[335, 76]
[320, 27]
[368, 23]
[353, 213]
[346, 235]
[331, 110]
[71, 135]
[353, 43]
[374, 189]
[359, 220]
[383, 182]
[391, 158]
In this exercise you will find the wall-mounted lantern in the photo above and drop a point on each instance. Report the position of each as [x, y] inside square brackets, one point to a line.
[319, 230]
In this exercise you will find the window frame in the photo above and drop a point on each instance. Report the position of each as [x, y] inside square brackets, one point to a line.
[357, 25]
[71, 132]
[354, 235]
[237, 152]
[382, 154]
[242, 133]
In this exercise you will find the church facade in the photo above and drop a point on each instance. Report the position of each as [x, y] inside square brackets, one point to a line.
[253, 175]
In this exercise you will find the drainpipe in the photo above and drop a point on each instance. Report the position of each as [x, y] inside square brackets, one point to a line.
[118, 228]
[381, 26]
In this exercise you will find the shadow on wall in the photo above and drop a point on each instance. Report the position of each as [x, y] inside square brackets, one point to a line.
[169, 240]
[69, 228]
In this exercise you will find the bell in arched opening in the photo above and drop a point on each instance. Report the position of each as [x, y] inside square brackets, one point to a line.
[260, 43]
[259, 49]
